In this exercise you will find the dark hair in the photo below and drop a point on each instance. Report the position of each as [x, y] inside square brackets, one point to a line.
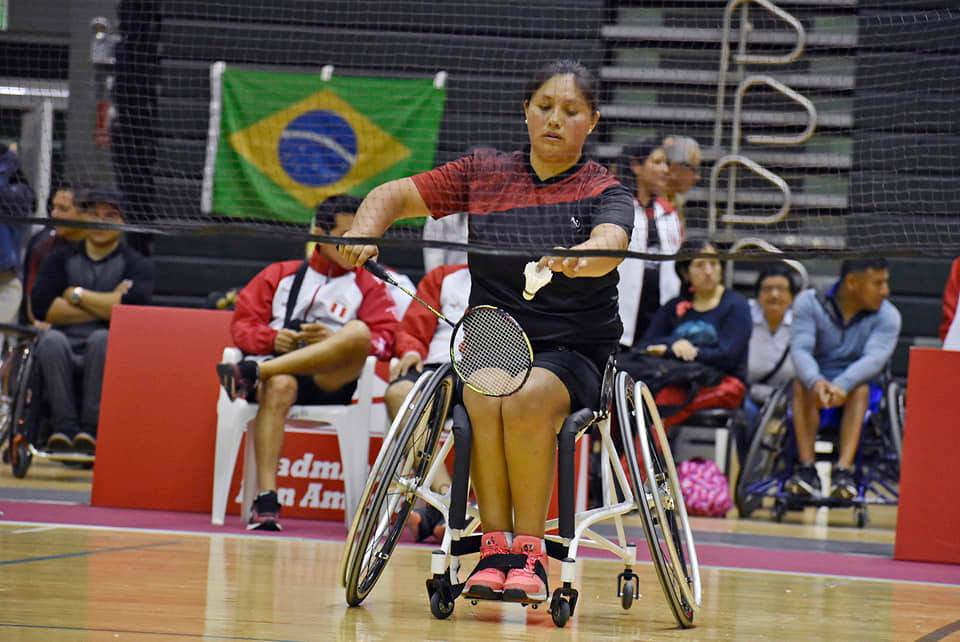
[682, 266]
[61, 185]
[325, 216]
[583, 77]
[778, 269]
[862, 265]
[637, 150]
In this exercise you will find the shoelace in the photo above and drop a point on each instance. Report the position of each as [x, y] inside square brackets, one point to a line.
[532, 559]
[493, 549]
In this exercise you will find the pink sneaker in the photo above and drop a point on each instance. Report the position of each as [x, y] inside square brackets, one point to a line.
[487, 583]
[528, 584]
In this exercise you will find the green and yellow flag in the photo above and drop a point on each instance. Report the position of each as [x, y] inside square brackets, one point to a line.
[283, 142]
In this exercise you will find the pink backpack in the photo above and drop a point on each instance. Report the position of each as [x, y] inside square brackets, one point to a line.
[706, 491]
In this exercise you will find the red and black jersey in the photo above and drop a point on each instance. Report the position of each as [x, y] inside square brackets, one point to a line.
[510, 206]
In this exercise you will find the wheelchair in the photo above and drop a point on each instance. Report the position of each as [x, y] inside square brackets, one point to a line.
[772, 455]
[430, 427]
[25, 425]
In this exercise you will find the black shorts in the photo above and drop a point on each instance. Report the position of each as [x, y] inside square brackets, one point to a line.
[579, 367]
[308, 394]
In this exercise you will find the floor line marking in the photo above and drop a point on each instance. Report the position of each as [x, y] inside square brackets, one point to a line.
[941, 633]
[96, 551]
[165, 634]
[35, 529]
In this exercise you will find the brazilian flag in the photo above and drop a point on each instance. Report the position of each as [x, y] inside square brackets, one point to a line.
[280, 143]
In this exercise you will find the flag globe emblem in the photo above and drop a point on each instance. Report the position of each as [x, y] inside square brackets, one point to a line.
[317, 148]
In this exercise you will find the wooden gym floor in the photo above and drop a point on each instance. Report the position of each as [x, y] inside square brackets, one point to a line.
[94, 583]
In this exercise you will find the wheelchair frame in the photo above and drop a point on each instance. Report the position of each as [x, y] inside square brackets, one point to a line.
[662, 512]
[20, 421]
[772, 457]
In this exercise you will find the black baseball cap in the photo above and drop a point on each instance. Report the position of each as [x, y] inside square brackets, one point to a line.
[90, 197]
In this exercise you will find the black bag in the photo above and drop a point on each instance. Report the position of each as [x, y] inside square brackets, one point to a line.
[661, 372]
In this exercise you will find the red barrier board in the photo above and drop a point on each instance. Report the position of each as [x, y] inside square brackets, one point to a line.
[928, 518]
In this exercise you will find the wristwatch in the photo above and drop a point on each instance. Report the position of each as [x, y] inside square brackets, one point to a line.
[75, 295]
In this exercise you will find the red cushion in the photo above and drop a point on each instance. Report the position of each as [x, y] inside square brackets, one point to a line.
[728, 393]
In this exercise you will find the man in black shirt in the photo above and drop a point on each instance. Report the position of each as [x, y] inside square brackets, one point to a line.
[76, 289]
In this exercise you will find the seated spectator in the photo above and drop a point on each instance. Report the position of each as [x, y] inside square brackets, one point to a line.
[347, 205]
[683, 159]
[645, 285]
[950, 327]
[707, 324]
[451, 228]
[75, 291]
[769, 365]
[423, 344]
[61, 206]
[16, 200]
[839, 343]
[307, 328]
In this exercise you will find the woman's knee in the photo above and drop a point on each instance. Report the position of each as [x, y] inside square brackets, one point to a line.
[544, 404]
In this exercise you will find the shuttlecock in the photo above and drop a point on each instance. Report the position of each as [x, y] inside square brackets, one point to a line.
[535, 277]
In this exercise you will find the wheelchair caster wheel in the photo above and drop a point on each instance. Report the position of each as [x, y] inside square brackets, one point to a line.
[628, 586]
[474, 602]
[626, 596]
[778, 511]
[535, 606]
[20, 459]
[861, 517]
[440, 608]
[560, 612]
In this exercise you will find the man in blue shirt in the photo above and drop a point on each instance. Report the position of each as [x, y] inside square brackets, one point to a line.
[839, 343]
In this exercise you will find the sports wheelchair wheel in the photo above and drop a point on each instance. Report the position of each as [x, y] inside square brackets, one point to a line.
[895, 403]
[654, 482]
[766, 454]
[404, 460]
[24, 410]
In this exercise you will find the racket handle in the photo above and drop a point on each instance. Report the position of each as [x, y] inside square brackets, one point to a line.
[376, 270]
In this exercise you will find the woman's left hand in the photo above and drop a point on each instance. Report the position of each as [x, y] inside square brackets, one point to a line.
[569, 266]
[683, 349]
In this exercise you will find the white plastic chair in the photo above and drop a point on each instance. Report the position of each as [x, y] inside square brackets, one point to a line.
[351, 423]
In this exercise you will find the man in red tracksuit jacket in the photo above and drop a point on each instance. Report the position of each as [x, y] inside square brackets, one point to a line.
[339, 316]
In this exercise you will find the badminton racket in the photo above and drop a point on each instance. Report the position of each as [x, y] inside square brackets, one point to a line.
[489, 350]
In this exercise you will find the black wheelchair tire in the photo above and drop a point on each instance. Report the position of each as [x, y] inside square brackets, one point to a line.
[374, 529]
[668, 575]
[761, 456]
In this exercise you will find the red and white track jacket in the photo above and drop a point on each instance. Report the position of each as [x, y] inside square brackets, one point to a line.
[446, 288]
[329, 294]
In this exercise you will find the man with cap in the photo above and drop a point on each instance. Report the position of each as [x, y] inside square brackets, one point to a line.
[75, 291]
[683, 161]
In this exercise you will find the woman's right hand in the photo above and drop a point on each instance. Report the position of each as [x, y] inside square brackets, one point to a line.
[683, 349]
[407, 361]
[357, 255]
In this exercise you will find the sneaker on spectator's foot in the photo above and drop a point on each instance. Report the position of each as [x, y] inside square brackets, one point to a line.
[842, 484]
[805, 481]
[486, 582]
[85, 443]
[59, 442]
[528, 584]
[265, 514]
[239, 380]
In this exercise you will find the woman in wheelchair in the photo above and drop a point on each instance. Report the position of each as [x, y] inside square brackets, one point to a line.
[839, 342]
[550, 193]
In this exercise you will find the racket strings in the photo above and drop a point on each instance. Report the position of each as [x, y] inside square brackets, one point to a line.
[491, 352]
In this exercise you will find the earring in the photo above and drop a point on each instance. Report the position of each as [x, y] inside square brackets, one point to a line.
[525, 121]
